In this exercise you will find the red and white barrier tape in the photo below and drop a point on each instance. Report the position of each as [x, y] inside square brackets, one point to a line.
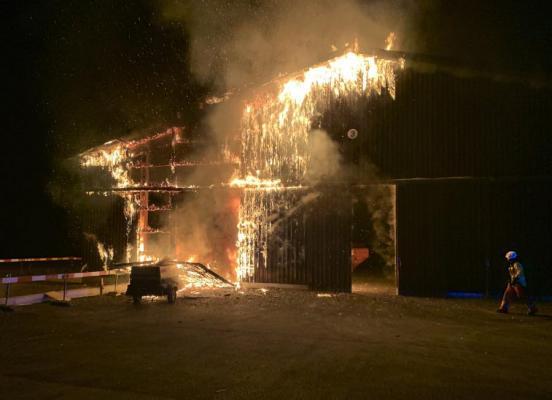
[14, 260]
[39, 278]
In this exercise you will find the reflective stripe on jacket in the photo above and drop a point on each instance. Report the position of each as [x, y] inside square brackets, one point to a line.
[516, 274]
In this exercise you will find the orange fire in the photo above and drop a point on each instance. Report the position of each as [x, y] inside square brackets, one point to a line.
[390, 41]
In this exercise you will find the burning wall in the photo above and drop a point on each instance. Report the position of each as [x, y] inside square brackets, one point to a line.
[285, 150]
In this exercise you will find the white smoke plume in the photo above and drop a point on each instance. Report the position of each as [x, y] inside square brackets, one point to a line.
[234, 44]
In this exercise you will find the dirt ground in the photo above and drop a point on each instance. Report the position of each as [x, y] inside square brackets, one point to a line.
[278, 344]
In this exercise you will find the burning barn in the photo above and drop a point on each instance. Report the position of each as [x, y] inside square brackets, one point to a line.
[430, 171]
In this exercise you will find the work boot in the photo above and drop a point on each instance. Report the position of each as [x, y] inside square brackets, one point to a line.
[502, 310]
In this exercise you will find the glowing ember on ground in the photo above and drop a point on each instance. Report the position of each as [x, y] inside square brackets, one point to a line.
[193, 277]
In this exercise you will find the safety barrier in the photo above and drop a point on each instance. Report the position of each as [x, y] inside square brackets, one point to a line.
[38, 266]
[17, 260]
[38, 278]
[10, 280]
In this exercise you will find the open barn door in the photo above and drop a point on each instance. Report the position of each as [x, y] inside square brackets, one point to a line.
[374, 239]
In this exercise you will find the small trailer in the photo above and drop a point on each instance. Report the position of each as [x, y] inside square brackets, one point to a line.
[147, 281]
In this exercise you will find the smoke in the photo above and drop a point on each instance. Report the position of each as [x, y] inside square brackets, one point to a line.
[324, 158]
[243, 42]
[380, 200]
[374, 212]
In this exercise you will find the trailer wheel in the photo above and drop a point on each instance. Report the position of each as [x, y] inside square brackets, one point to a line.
[136, 299]
[171, 296]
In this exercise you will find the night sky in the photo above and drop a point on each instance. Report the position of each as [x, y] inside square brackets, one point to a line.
[81, 72]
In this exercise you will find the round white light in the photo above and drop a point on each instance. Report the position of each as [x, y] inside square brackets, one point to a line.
[352, 134]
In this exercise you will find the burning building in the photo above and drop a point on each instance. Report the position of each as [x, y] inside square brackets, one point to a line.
[413, 151]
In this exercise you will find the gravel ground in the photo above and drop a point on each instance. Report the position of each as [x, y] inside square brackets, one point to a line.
[278, 344]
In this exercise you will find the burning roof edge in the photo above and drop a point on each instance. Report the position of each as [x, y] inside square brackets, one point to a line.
[416, 61]
[250, 89]
[135, 140]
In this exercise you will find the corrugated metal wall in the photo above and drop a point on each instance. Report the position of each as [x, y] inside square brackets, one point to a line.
[452, 235]
[328, 242]
[313, 246]
[285, 254]
[441, 125]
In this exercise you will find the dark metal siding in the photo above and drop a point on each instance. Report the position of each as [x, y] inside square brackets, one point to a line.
[328, 242]
[312, 247]
[452, 235]
[521, 219]
[442, 125]
[286, 247]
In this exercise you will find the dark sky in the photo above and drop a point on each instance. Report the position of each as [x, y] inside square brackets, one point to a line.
[81, 72]
[503, 36]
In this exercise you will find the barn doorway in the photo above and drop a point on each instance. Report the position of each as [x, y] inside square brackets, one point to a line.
[373, 247]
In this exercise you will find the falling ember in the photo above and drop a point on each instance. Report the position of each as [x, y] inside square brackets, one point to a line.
[275, 133]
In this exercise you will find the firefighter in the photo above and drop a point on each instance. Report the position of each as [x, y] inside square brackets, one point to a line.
[516, 287]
